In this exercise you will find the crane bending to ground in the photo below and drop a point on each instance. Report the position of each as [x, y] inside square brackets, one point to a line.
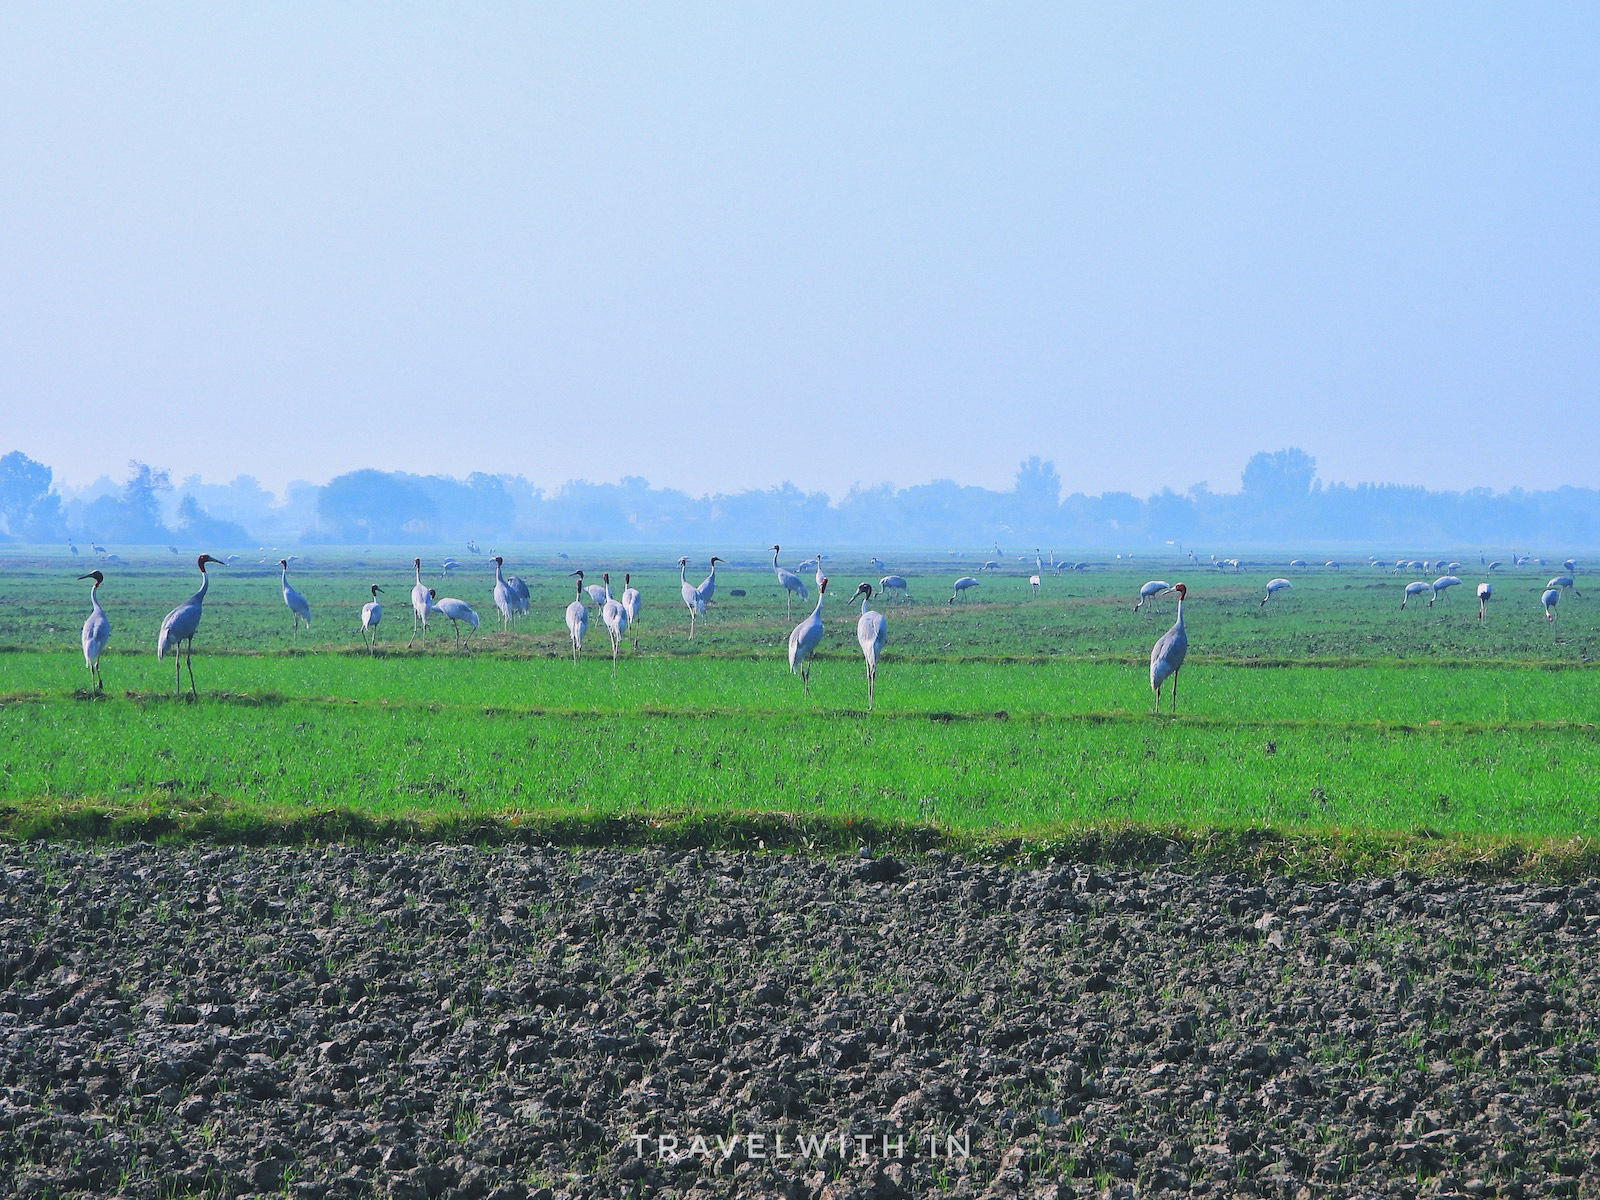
[296, 602]
[805, 638]
[371, 614]
[1154, 588]
[1443, 584]
[870, 632]
[1274, 586]
[96, 630]
[458, 611]
[961, 585]
[1167, 655]
[1413, 589]
[1549, 599]
[577, 619]
[895, 583]
[179, 628]
[692, 599]
[791, 583]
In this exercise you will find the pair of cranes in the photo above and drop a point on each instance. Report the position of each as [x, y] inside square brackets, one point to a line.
[616, 613]
[871, 632]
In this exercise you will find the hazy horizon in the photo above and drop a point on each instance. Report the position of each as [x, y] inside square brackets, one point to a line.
[722, 247]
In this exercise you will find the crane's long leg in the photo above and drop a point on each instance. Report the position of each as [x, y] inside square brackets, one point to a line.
[1175, 691]
[189, 658]
[177, 664]
[872, 679]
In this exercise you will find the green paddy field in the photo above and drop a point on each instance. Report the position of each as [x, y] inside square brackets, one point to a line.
[1330, 716]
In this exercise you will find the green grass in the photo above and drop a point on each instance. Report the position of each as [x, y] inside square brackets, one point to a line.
[1333, 720]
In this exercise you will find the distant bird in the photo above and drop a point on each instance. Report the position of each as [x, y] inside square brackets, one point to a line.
[96, 629]
[74, 549]
[447, 566]
[578, 619]
[596, 593]
[991, 565]
[1335, 564]
[1571, 565]
[505, 597]
[691, 594]
[1033, 582]
[805, 638]
[1274, 586]
[173, 549]
[1413, 589]
[708, 585]
[877, 564]
[1297, 562]
[420, 604]
[1453, 568]
[1443, 584]
[791, 584]
[1564, 581]
[817, 563]
[1549, 601]
[630, 605]
[895, 583]
[1153, 588]
[1167, 655]
[458, 611]
[1484, 592]
[1494, 566]
[615, 618]
[371, 614]
[298, 608]
[870, 631]
[97, 548]
[179, 628]
[230, 560]
[961, 585]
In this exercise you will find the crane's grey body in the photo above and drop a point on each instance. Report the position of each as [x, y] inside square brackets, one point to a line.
[1274, 586]
[96, 630]
[1549, 600]
[371, 614]
[805, 638]
[421, 603]
[178, 630]
[895, 583]
[459, 613]
[299, 609]
[615, 619]
[631, 601]
[577, 619]
[791, 583]
[505, 597]
[692, 599]
[871, 630]
[1484, 592]
[1167, 655]
[1443, 584]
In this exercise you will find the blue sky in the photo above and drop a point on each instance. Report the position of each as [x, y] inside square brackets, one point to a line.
[724, 246]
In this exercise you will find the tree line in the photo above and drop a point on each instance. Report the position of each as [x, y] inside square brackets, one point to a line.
[1280, 503]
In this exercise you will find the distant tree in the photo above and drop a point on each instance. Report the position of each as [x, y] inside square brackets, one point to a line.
[200, 526]
[28, 508]
[1038, 485]
[376, 506]
[1281, 475]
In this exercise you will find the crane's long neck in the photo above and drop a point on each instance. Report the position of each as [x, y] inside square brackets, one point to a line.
[499, 576]
[774, 558]
[94, 596]
[205, 582]
[418, 567]
[683, 571]
[1179, 623]
[579, 587]
[816, 613]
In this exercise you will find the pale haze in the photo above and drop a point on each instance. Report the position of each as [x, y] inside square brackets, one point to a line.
[725, 246]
